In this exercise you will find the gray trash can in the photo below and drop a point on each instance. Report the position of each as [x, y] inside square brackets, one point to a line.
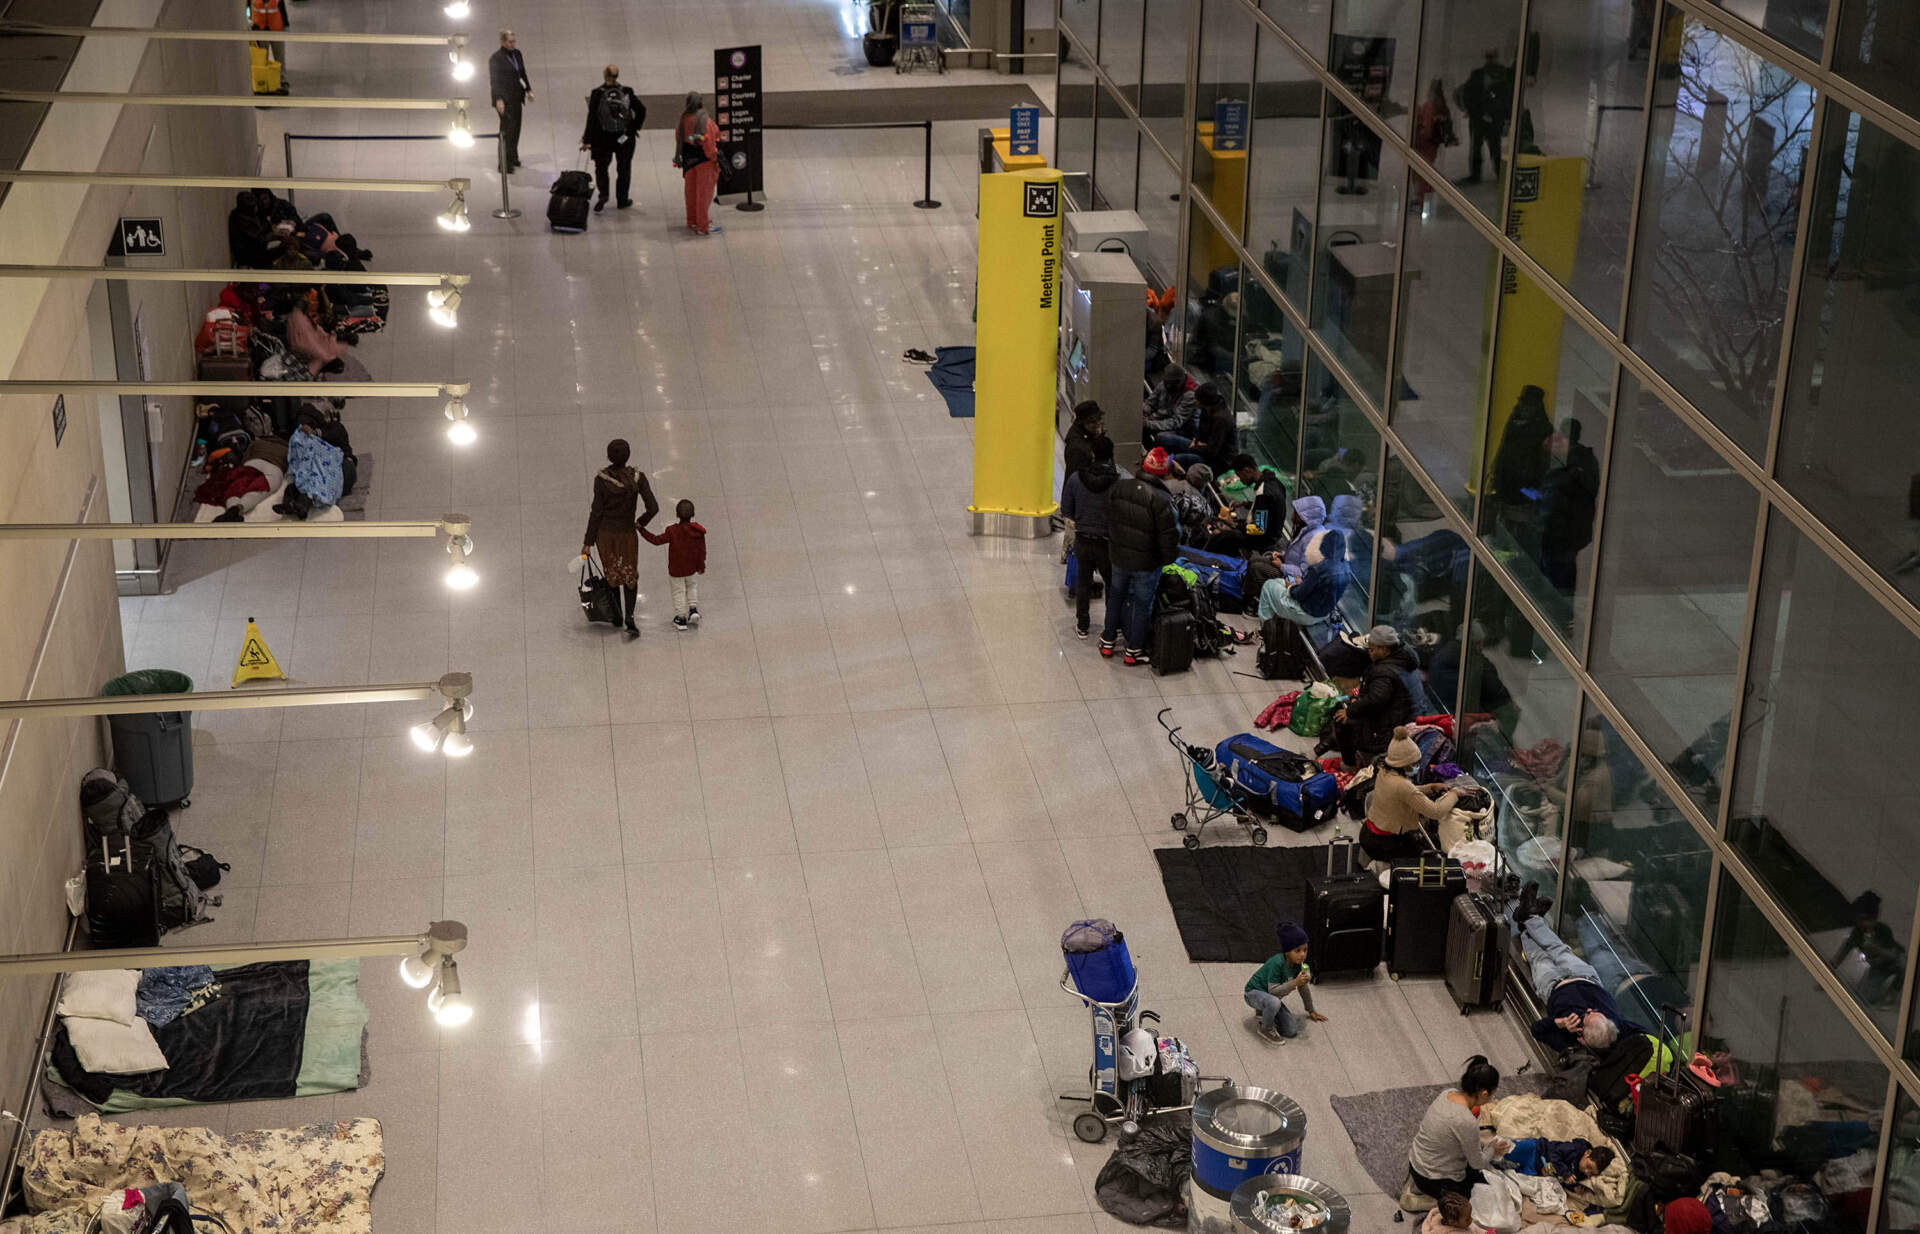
[153, 751]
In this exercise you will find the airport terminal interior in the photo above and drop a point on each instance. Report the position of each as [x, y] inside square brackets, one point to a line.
[1569, 340]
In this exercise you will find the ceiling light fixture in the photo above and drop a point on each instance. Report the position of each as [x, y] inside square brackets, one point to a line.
[460, 432]
[437, 946]
[456, 9]
[447, 732]
[460, 575]
[457, 52]
[450, 1007]
[454, 217]
[443, 302]
[460, 129]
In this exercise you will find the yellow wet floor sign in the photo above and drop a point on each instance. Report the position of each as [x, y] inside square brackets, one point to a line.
[256, 660]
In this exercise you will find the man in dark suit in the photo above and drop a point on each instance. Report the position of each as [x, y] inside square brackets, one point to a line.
[507, 70]
[614, 116]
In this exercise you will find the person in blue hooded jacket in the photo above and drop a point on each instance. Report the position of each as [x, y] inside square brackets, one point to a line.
[1311, 599]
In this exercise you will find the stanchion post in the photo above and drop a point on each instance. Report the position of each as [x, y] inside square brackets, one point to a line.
[506, 210]
[286, 150]
[750, 205]
[926, 201]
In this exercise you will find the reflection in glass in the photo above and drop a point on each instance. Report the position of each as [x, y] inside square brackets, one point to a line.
[1637, 884]
[1082, 19]
[1163, 86]
[1073, 130]
[1831, 671]
[1358, 247]
[1809, 1095]
[1281, 184]
[1421, 582]
[1267, 398]
[1223, 96]
[1670, 601]
[1848, 382]
[1900, 1196]
[1372, 52]
[1120, 27]
[1305, 20]
[1800, 24]
[1467, 67]
[1117, 141]
[1159, 208]
[1582, 95]
[1721, 200]
[1340, 450]
[1446, 311]
[1551, 386]
[1211, 305]
[1878, 46]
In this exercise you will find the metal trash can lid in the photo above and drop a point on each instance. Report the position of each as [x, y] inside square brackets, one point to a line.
[1292, 1202]
[1249, 1118]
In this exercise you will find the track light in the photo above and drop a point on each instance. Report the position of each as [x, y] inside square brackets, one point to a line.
[456, 9]
[440, 732]
[460, 129]
[457, 52]
[443, 302]
[454, 217]
[460, 575]
[450, 1007]
[460, 432]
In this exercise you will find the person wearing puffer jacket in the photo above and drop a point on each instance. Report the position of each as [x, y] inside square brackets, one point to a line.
[1144, 536]
[1290, 561]
[1364, 727]
[1344, 516]
[1086, 500]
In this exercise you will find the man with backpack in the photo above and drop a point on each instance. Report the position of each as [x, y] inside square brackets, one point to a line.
[614, 116]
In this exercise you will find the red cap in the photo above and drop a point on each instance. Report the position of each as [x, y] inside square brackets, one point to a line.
[1687, 1215]
[1155, 464]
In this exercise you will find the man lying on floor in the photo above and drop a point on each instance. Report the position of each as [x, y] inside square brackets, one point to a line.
[1576, 1008]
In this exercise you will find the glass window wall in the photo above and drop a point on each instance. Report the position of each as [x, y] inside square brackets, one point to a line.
[1637, 875]
[1117, 155]
[1211, 305]
[1282, 181]
[1831, 673]
[1552, 384]
[1469, 68]
[1159, 208]
[1718, 211]
[1267, 405]
[1800, 24]
[1670, 602]
[1422, 577]
[1082, 20]
[1582, 101]
[1163, 85]
[1305, 20]
[1809, 1096]
[1340, 452]
[1121, 22]
[1446, 328]
[1073, 129]
[1372, 51]
[1900, 1197]
[1358, 245]
[1878, 46]
[1854, 332]
[1224, 95]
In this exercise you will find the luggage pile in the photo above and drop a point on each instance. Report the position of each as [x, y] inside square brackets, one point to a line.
[140, 881]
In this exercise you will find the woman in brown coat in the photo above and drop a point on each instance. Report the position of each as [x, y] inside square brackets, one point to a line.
[611, 527]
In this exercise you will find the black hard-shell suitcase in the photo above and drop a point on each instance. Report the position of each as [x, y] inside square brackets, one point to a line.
[1419, 909]
[1345, 914]
[573, 184]
[1476, 952]
[1677, 1109]
[1173, 636]
[567, 213]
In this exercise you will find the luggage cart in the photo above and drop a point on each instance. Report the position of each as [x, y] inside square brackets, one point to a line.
[1211, 793]
[1111, 1101]
[919, 41]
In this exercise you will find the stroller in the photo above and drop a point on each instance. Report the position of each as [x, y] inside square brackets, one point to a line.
[1253, 783]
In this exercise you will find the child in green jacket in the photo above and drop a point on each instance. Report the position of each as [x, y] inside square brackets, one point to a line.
[1280, 976]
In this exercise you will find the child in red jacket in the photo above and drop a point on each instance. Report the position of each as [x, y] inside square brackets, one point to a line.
[686, 543]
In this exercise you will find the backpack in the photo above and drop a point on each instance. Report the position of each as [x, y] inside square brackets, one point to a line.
[1279, 654]
[613, 110]
[124, 838]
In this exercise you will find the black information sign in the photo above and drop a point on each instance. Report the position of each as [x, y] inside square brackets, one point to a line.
[736, 109]
[59, 419]
[141, 238]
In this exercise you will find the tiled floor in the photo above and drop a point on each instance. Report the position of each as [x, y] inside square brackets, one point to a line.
[764, 916]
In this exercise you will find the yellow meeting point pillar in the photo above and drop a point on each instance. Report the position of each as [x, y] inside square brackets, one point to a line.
[1015, 362]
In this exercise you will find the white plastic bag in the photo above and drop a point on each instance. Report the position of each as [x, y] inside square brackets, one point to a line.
[1476, 858]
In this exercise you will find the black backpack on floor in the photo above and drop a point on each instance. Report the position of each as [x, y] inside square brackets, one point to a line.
[128, 844]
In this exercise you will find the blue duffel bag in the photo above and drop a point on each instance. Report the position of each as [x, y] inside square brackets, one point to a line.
[1098, 960]
[1292, 786]
[1225, 577]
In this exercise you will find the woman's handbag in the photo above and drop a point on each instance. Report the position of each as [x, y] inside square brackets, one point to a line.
[597, 597]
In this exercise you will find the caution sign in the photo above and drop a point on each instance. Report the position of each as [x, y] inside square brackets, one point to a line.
[256, 658]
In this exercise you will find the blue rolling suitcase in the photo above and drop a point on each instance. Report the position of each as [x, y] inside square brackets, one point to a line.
[1225, 577]
[1300, 795]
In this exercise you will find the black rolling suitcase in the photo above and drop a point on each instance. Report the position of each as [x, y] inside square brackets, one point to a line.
[1677, 1110]
[1173, 633]
[1419, 909]
[1476, 968]
[1345, 914]
[568, 202]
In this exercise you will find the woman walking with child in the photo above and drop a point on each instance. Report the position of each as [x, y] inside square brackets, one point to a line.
[618, 490]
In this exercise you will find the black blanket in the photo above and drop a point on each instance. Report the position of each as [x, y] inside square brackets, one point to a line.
[1227, 901]
[245, 1044]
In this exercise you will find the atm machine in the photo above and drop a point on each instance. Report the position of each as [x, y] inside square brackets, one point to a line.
[1103, 326]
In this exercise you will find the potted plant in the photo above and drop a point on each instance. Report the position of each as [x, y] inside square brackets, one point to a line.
[883, 32]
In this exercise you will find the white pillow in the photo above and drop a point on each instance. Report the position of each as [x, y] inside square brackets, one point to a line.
[115, 1049]
[107, 994]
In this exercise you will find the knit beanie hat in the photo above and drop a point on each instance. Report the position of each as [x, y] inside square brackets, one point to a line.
[1687, 1215]
[1291, 936]
[1199, 476]
[1401, 752]
[1155, 464]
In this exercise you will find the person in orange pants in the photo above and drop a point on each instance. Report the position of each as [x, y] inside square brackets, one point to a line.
[697, 140]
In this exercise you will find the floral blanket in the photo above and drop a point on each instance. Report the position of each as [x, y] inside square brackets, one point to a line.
[300, 1180]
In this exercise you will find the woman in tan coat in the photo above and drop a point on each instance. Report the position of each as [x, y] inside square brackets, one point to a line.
[612, 528]
[1398, 806]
